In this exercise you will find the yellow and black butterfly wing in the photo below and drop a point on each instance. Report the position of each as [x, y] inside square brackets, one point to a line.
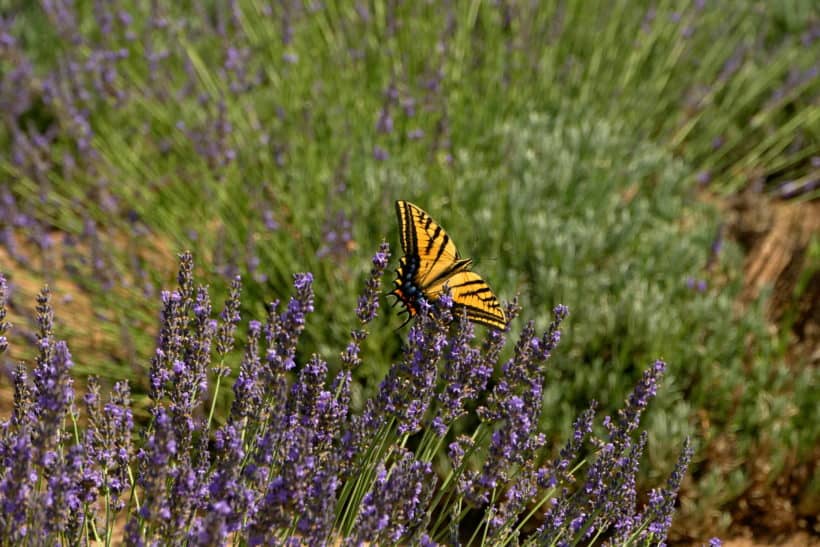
[427, 246]
[471, 293]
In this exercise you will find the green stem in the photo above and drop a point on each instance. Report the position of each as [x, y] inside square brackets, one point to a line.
[134, 495]
[108, 524]
[485, 521]
[213, 399]
[354, 491]
[478, 440]
[543, 500]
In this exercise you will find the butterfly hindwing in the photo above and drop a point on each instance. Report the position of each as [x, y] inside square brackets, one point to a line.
[431, 262]
[471, 293]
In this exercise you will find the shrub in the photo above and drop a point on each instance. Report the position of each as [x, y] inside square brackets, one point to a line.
[291, 463]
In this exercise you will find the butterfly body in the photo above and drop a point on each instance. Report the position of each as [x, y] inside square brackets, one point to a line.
[432, 263]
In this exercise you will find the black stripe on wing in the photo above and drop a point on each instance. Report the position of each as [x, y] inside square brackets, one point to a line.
[407, 228]
[485, 318]
[482, 291]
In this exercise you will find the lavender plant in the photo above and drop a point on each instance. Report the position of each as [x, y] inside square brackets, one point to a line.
[441, 454]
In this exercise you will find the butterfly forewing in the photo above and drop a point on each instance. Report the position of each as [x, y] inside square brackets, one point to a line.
[423, 237]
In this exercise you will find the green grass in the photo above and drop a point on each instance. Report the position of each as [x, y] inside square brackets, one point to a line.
[562, 152]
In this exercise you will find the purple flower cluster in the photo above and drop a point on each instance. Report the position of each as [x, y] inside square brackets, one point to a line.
[369, 301]
[406, 393]
[606, 501]
[108, 441]
[292, 462]
[516, 401]
[4, 325]
[464, 376]
[46, 482]
[395, 508]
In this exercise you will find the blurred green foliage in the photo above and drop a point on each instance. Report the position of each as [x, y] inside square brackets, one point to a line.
[560, 143]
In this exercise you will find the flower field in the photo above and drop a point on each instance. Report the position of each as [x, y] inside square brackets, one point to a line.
[637, 181]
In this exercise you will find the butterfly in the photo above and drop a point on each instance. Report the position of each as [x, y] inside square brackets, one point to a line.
[431, 262]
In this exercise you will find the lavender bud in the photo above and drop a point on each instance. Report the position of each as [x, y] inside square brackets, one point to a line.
[369, 301]
[4, 325]
[229, 318]
[379, 153]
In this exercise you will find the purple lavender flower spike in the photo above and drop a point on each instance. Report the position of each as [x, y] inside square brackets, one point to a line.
[385, 123]
[248, 387]
[380, 154]
[629, 417]
[304, 490]
[185, 276]
[107, 441]
[607, 497]
[621, 503]
[230, 501]
[188, 374]
[53, 400]
[22, 413]
[157, 470]
[369, 301]
[516, 401]
[68, 487]
[337, 236]
[181, 353]
[465, 375]
[283, 331]
[716, 247]
[204, 330]
[17, 485]
[408, 389]
[4, 325]
[395, 508]
[408, 105]
[367, 307]
[45, 320]
[7, 41]
[522, 489]
[558, 472]
[269, 220]
[229, 319]
[662, 501]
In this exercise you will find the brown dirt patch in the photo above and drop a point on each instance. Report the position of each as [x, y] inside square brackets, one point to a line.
[99, 335]
[779, 240]
[782, 242]
[801, 539]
